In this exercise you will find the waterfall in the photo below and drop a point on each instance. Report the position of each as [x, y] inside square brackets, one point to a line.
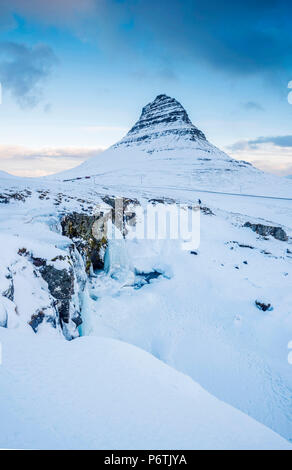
[117, 263]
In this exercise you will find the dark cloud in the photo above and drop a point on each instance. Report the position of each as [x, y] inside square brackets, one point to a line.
[242, 37]
[23, 70]
[279, 141]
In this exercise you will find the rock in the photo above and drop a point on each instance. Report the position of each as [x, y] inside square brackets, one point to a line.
[36, 320]
[164, 200]
[265, 230]
[263, 306]
[63, 306]
[61, 287]
[206, 210]
[9, 292]
[145, 278]
[82, 228]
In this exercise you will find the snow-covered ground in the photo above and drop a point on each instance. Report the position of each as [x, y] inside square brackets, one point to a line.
[97, 393]
[196, 312]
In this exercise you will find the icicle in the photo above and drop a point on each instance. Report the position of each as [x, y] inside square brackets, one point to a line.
[117, 263]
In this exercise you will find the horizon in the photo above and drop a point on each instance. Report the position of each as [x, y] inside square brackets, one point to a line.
[75, 76]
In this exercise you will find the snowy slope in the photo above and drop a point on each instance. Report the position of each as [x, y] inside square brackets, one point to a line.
[198, 314]
[110, 395]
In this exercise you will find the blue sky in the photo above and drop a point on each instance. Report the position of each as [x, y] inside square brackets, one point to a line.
[76, 73]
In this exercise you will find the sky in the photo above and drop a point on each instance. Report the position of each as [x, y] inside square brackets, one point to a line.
[75, 75]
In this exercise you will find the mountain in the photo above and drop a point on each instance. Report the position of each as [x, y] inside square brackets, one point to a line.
[162, 124]
[4, 174]
[218, 311]
[165, 150]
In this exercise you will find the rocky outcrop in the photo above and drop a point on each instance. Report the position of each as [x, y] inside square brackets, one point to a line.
[10, 196]
[163, 117]
[79, 228]
[89, 232]
[62, 305]
[267, 230]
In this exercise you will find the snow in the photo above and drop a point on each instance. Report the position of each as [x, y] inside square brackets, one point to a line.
[202, 319]
[198, 317]
[110, 395]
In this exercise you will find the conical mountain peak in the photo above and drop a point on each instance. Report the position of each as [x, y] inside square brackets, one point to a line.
[164, 118]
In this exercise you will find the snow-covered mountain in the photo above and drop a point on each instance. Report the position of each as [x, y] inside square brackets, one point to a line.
[163, 124]
[220, 313]
[165, 150]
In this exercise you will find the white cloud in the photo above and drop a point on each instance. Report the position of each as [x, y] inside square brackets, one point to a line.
[22, 161]
[266, 156]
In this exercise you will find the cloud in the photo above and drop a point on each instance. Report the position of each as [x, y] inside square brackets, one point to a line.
[23, 70]
[253, 106]
[273, 154]
[245, 37]
[22, 161]
[279, 141]
[56, 12]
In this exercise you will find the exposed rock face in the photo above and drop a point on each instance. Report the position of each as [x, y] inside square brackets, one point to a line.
[62, 304]
[79, 227]
[164, 117]
[266, 230]
[61, 287]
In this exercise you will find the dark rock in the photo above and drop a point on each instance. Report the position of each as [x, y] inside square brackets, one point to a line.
[206, 210]
[77, 320]
[60, 281]
[265, 230]
[9, 293]
[163, 200]
[36, 320]
[38, 262]
[79, 227]
[61, 287]
[146, 278]
[23, 252]
[262, 306]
